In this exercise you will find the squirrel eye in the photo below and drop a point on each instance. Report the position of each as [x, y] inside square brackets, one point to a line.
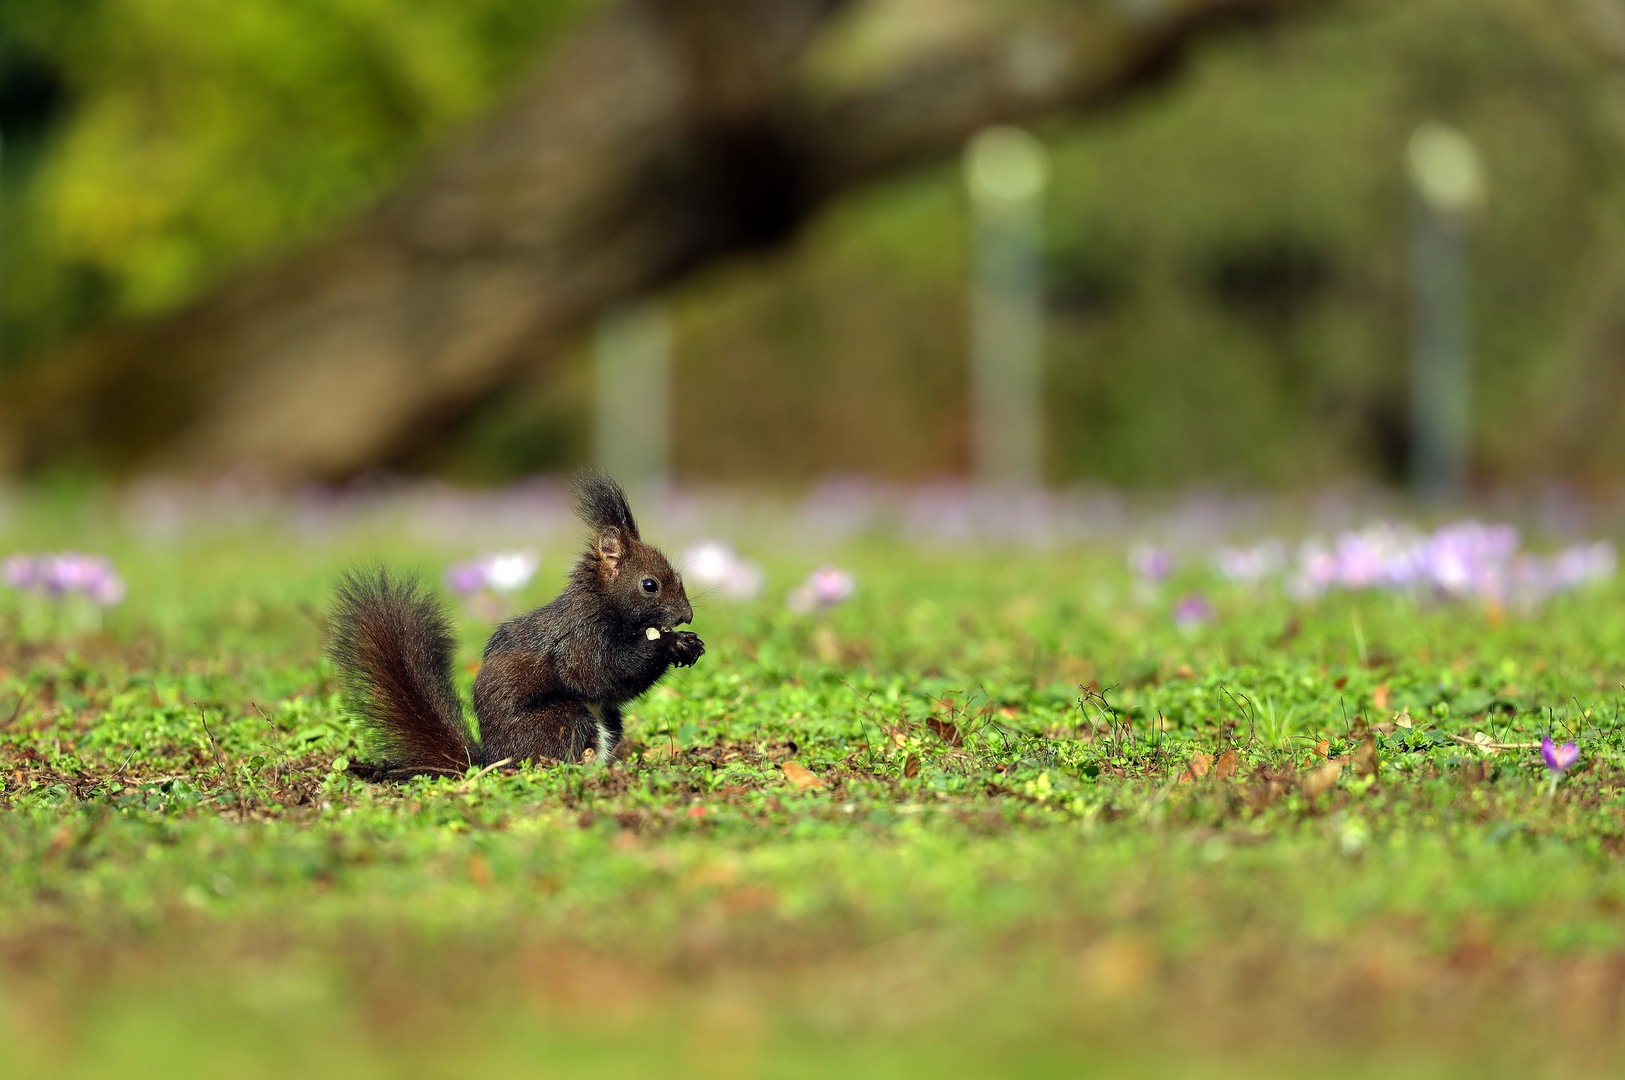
[650, 585]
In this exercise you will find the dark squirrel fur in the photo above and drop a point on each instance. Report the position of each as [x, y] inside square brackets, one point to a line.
[552, 682]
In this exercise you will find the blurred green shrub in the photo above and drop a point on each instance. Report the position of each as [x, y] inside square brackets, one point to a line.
[180, 138]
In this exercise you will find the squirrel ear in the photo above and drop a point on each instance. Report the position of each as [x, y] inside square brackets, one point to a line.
[610, 550]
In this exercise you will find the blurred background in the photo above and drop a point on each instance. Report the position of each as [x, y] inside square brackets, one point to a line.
[1138, 243]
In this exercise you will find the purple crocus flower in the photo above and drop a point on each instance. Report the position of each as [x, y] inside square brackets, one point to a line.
[1470, 560]
[1558, 759]
[1317, 571]
[108, 590]
[1192, 610]
[1582, 564]
[716, 566]
[1464, 560]
[1249, 565]
[1152, 564]
[68, 572]
[502, 573]
[1378, 556]
[73, 572]
[20, 572]
[89, 575]
[465, 578]
[510, 572]
[1359, 561]
[823, 589]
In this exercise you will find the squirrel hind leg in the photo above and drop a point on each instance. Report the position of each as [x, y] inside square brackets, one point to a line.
[560, 731]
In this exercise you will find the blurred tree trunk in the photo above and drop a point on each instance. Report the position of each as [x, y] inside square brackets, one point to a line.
[664, 135]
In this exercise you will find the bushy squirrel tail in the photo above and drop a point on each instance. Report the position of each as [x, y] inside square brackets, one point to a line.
[393, 645]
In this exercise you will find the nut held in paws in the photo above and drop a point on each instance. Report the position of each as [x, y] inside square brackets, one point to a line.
[653, 633]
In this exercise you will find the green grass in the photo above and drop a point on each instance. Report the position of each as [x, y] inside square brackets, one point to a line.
[989, 876]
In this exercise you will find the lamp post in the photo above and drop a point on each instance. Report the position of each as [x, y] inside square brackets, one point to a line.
[1007, 171]
[632, 394]
[1448, 186]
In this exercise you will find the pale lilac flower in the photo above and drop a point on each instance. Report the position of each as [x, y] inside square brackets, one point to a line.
[1470, 560]
[1378, 556]
[507, 572]
[1465, 560]
[108, 591]
[715, 566]
[92, 576]
[1559, 759]
[1359, 564]
[1151, 564]
[1317, 571]
[1532, 579]
[1250, 565]
[510, 572]
[73, 572]
[1192, 610]
[66, 573]
[21, 572]
[465, 578]
[1582, 564]
[823, 589]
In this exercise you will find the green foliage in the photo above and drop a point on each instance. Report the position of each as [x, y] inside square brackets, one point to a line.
[199, 136]
[994, 854]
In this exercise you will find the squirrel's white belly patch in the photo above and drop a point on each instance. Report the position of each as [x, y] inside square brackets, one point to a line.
[604, 747]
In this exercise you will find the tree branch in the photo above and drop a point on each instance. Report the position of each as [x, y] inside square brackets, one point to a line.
[665, 135]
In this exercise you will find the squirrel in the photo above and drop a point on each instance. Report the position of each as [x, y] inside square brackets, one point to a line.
[552, 682]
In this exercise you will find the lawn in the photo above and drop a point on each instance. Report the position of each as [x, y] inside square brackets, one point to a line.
[998, 812]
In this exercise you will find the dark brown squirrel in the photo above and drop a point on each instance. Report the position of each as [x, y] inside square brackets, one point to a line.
[552, 683]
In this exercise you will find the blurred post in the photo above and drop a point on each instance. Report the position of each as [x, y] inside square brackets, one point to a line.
[1007, 170]
[632, 394]
[1448, 185]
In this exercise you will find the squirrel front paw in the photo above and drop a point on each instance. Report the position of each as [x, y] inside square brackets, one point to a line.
[683, 646]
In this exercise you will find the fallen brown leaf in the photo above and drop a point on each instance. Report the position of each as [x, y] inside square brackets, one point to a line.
[1382, 697]
[1226, 765]
[1482, 741]
[1365, 757]
[944, 730]
[1200, 764]
[801, 776]
[1318, 781]
[479, 871]
[1117, 967]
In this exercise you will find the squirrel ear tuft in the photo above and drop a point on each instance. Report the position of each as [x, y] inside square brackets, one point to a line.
[601, 503]
[610, 550]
